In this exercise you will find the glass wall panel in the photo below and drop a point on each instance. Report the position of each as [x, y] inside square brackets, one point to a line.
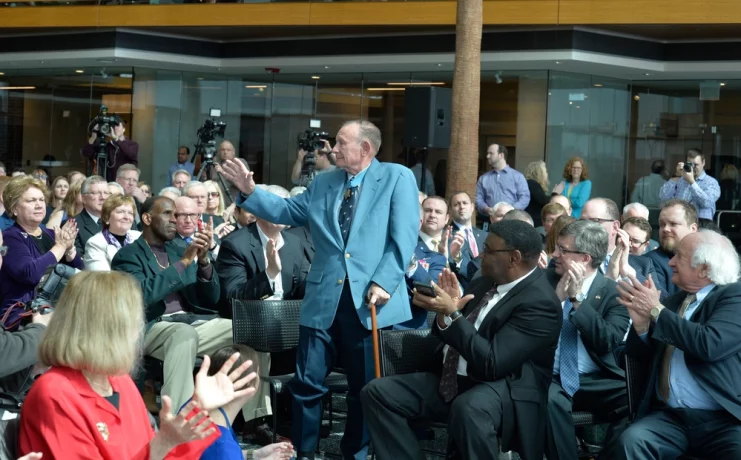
[44, 114]
[589, 117]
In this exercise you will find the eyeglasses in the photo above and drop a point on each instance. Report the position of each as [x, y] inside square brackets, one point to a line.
[599, 220]
[214, 194]
[635, 242]
[563, 250]
[183, 216]
[98, 194]
[3, 250]
[129, 179]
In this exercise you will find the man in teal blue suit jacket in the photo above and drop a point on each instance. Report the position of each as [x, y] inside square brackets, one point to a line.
[364, 219]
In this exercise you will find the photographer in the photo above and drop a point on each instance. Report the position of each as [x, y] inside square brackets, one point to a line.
[324, 163]
[693, 185]
[118, 149]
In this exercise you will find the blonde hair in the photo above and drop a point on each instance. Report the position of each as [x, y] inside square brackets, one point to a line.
[537, 171]
[17, 187]
[111, 203]
[552, 237]
[69, 203]
[211, 186]
[98, 325]
[729, 172]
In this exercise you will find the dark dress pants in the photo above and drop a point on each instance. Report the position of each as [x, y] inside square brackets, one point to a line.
[667, 434]
[596, 394]
[349, 344]
[474, 417]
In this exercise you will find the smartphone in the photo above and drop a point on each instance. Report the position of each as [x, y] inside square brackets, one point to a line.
[425, 289]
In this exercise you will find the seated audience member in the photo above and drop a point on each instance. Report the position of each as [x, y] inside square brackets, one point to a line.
[181, 298]
[708, 224]
[494, 365]
[677, 219]
[19, 349]
[605, 212]
[146, 190]
[94, 192]
[469, 262]
[5, 220]
[117, 218]
[425, 268]
[499, 210]
[586, 375]
[689, 350]
[180, 178]
[639, 210]
[215, 202]
[227, 447]
[72, 205]
[17, 172]
[170, 192]
[114, 188]
[197, 192]
[552, 238]
[75, 176]
[518, 214]
[639, 233]
[551, 212]
[246, 218]
[32, 249]
[564, 201]
[262, 262]
[186, 216]
[58, 191]
[87, 405]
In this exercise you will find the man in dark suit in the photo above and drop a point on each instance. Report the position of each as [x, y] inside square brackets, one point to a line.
[304, 235]
[468, 261]
[585, 373]
[605, 212]
[181, 290]
[94, 192]
[690, 350]
[494, 365]
[677, 219]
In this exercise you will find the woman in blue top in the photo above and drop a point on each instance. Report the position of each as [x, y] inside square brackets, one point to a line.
[576, 187]
[226, 447]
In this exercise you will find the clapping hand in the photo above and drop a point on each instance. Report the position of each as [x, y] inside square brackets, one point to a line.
[223, 387]
[32, 456]
[543, 260]
[178, 429]
[458, 241]
[273, 266]
[639, 299]
[558, 189]
[204, 240]
[236, 172]
[442, 246]
[448, 298]
[66, 235]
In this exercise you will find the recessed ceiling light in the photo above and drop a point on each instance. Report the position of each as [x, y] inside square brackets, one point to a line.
[598, 85]
[637, 97]
[721, 83]
[647, 74]
[256, 86]
[2, 73]
[571, 102]
[79, 71]
[326, 67]
[315, 77]
[558, 62]
[199, 78]
[439, 65]
[16, 87]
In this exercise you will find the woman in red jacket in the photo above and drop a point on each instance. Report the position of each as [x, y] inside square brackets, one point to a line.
[87, 406]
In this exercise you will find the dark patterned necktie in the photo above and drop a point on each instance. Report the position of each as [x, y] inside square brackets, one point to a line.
[449, 379]
[347, 211]
[569, 353]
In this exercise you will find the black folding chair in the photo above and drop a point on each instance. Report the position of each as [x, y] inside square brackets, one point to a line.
[272, 326]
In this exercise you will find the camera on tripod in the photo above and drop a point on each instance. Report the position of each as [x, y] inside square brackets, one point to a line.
[104, 122]
[311, 140]
[208, 132]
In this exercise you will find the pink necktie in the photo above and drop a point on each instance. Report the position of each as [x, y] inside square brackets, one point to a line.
[472, 243]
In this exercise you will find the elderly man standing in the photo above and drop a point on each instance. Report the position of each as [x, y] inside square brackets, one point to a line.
[364, 219]
[688, 346]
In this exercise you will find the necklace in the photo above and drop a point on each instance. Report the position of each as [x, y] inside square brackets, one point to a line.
[163, 267]
[105, 389]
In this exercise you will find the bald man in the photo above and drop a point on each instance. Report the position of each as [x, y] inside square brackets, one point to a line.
[226, 152]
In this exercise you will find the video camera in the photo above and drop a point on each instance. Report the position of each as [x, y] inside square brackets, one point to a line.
[311, 140]
[104, 121]
[208, 132]
[48, 292]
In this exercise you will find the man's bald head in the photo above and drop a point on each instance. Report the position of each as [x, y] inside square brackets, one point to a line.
[226, 151]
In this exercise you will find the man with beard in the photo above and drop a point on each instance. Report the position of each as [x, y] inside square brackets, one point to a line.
[677, 219]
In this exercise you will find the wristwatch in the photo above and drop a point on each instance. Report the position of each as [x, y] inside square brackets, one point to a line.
[448, 319]
[580, 297]
[655, 312]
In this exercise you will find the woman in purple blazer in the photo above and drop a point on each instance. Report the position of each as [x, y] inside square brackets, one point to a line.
[32, 249]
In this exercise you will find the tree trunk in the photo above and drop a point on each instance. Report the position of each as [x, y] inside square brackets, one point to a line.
[463, 156]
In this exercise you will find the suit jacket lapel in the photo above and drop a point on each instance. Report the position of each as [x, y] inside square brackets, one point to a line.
[256, 249]
[367, 197]
[287, 259]
[336, 187]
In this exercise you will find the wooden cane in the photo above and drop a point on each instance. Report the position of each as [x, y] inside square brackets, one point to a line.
[374, 331]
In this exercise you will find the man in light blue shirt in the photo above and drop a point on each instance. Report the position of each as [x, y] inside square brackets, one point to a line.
[690, 350]
[693, 186]
[647, 188]
[501, 183]
[182, 163]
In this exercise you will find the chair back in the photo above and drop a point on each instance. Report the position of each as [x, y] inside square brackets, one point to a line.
[635, 380]
[405, 352]
[268, 326]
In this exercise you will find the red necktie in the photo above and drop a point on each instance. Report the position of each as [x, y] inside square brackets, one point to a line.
[472, 243]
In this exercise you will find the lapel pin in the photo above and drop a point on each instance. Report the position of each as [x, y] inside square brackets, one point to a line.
[597, 297]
